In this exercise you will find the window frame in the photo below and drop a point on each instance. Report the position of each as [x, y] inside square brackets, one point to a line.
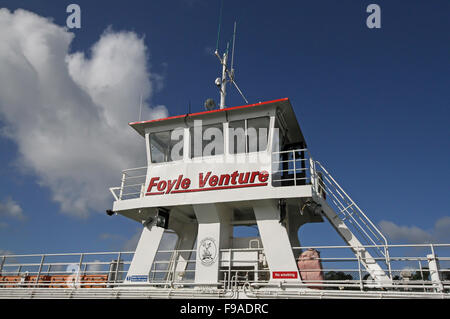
[190, 141]
[170, 131]
[246, 136]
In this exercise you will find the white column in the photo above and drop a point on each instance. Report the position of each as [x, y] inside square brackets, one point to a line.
[214, 232]
[187, 233]
[144, 255]
[275, 240]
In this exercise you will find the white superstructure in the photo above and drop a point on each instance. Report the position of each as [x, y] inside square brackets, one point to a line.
[209, 172]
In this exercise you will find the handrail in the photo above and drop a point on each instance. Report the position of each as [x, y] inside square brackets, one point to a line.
[349, 198]
[349, 212]
[233, 278]
[289, 169]
[131, 185]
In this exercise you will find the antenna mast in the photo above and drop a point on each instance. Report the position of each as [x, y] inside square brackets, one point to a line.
[222, 82]
[140, 108]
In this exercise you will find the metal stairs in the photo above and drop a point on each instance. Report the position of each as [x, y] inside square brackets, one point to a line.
[364, 238]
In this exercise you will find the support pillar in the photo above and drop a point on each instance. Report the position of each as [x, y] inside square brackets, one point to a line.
[144, 255]
[214, 233]
[187, 233]
[275, 240]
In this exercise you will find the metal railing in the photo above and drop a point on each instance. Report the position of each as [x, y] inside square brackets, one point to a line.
[132, 184]
[296, 168]
[343, 270]
[291, 168]
[173, 267]
[349, 212]
[104, 269]
[416, 268]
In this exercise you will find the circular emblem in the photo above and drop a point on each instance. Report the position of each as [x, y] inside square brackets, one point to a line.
[207, 251]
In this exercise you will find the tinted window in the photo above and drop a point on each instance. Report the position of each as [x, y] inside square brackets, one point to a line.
[206, 140]
[249, 135]
[236, 136]
[159, 146]
[176, 144]
[257, 134]
[166, 146]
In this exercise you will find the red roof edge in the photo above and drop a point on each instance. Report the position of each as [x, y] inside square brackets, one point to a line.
[212, 111]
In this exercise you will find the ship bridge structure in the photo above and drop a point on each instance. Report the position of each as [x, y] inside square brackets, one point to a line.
[249, 165]
[208, 173]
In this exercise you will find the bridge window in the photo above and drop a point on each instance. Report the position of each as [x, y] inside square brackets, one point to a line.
[249, 135]
[206, 140]
[280, 138]
[236, 136]
[257, 134]
[166, 146]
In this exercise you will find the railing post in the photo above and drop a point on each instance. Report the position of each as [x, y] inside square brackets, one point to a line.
[117, 267]
[1, 264]
[225, 283]
[229, 268]
[312, 170]
[388, 260]
[78, 280]
[172, 267]
[40, 269]
[433, 266]
[122, 184]
[361, 284]
[421, 275]
[295, 169]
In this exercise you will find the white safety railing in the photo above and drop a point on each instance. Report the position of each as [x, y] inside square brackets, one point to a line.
[173, 267]
[349, 212]
[64, 270]
[296, 168]
[429, 272]
[290, 168]
[421, 268]
[132, 184]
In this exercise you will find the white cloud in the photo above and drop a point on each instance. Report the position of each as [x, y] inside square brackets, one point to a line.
[68, 113]
[9, 208]
[108, 236]
[416, 235]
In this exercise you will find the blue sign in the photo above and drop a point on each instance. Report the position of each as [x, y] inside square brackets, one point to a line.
[137, 278]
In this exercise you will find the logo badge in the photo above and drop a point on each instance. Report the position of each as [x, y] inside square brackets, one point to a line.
[207, 251]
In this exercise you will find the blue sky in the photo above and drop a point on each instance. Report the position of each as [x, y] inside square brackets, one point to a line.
[373, 104]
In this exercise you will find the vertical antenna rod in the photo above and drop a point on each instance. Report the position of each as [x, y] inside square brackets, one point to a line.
[223, 85]
[220, 22]
[140, 108]
[222, 82]
[232, 50]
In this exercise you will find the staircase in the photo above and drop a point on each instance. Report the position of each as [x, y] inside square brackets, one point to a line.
[351, 223]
